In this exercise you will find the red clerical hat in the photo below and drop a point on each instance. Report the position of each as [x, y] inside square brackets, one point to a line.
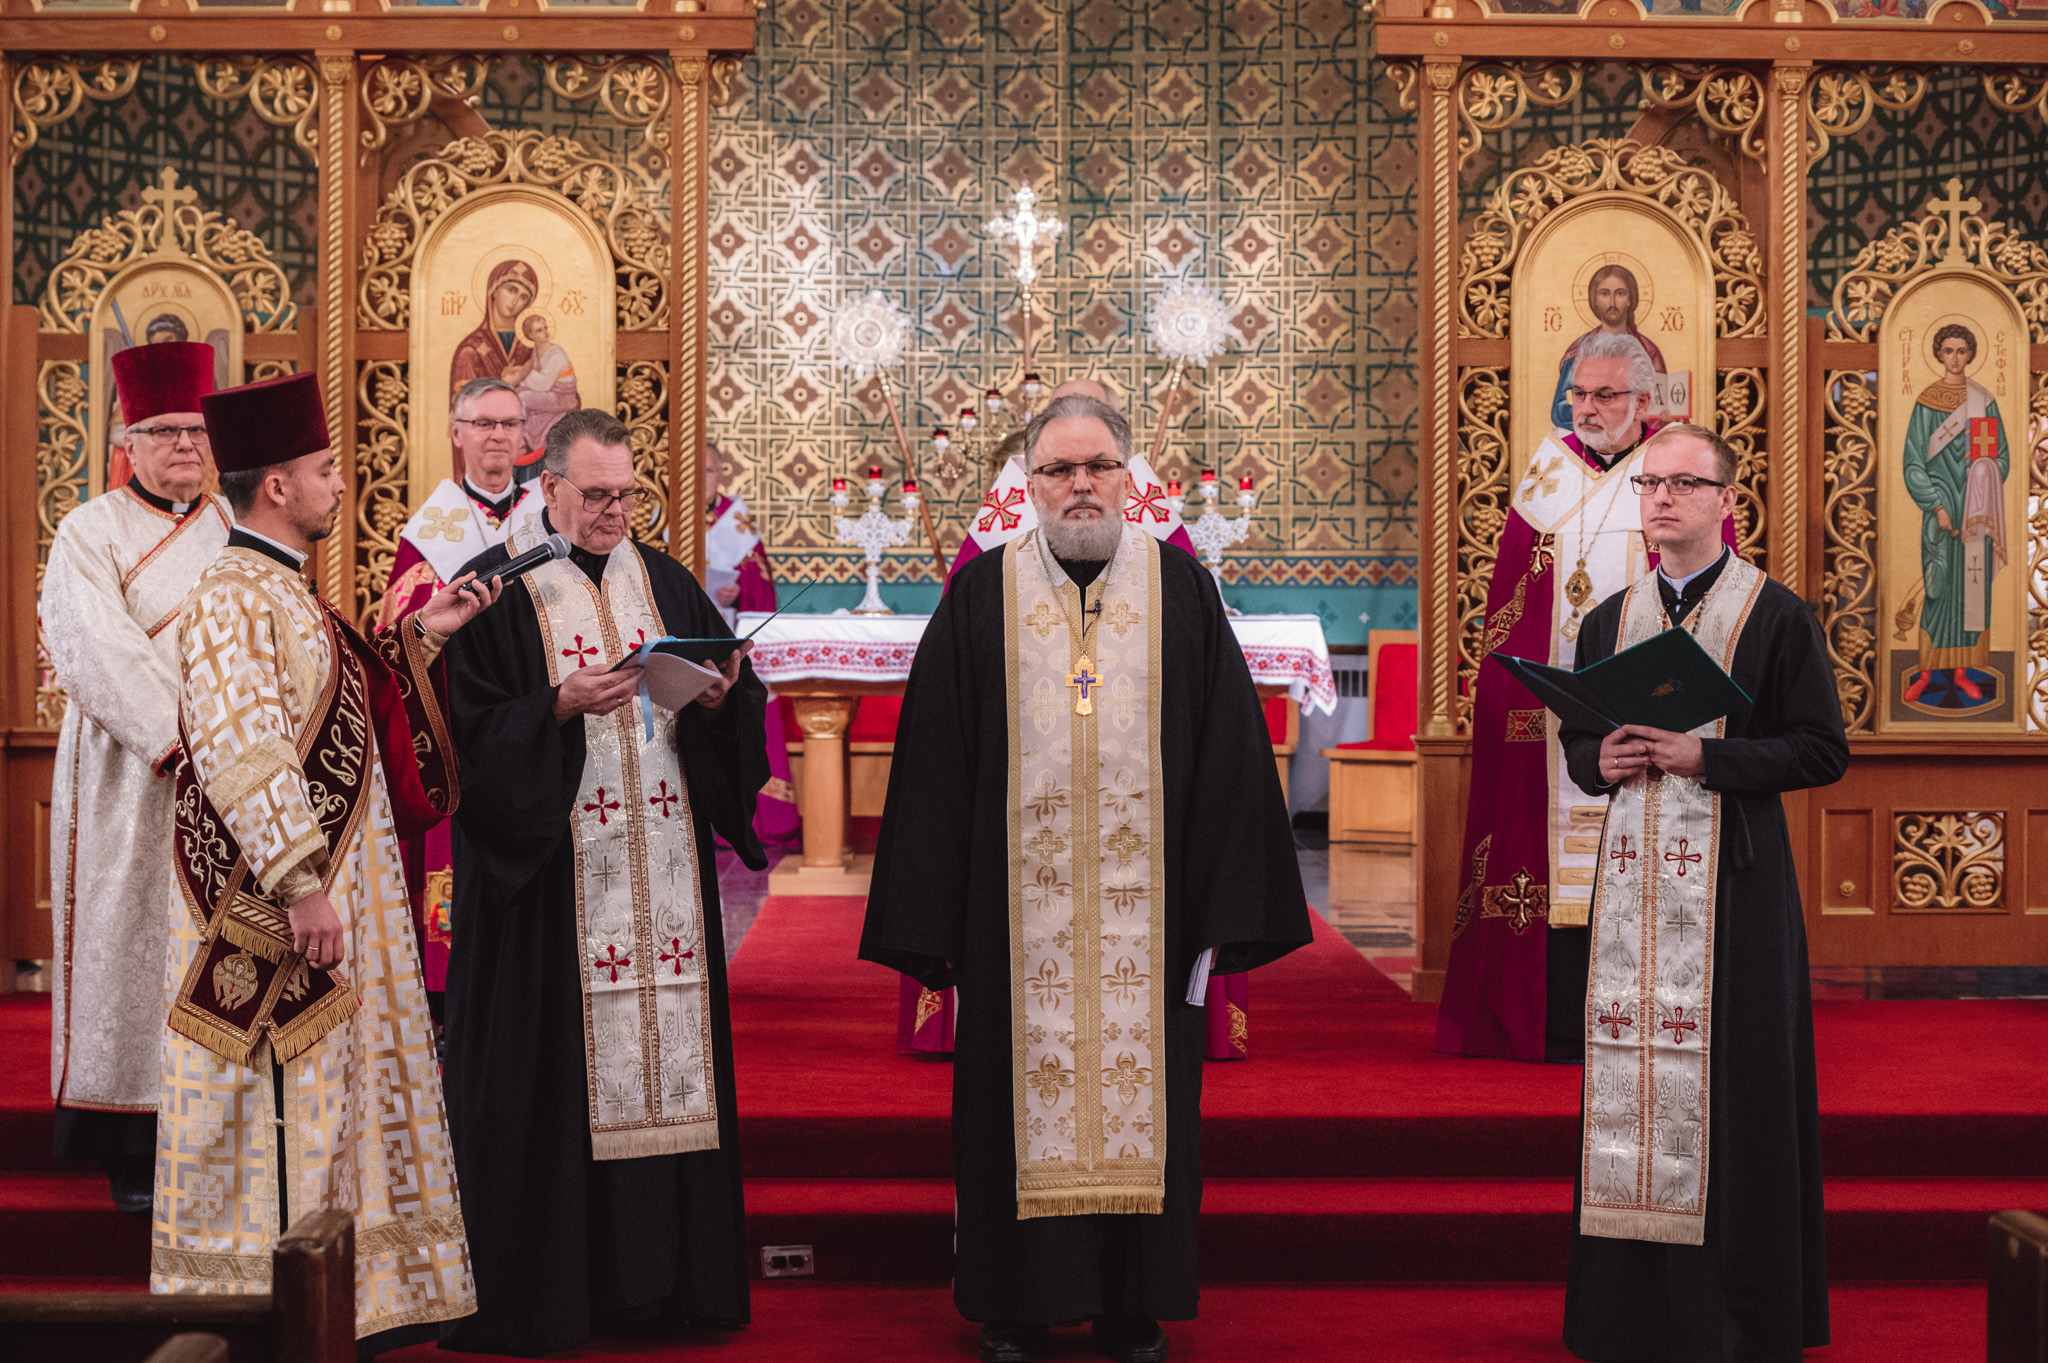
[170, 376]
[260, 424]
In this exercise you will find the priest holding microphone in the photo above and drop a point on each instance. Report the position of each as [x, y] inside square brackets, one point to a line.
[590, 1073]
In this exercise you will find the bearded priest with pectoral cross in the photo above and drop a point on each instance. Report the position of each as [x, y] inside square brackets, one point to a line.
[1698, 1233]
[1083, 822]
[590, 1074]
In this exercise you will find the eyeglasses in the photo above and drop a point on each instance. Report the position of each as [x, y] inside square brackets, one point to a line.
[169, 434]
[486, 425]
[1604, 396]
[1097, 471]
[1681, 484]
[600, 501]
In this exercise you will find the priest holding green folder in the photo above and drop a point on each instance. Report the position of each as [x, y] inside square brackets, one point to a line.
[1698, 1229]
[590, 1073]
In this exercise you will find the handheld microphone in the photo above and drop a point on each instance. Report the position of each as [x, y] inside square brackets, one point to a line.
[547, 551]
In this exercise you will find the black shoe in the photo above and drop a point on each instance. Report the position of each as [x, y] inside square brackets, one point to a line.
[1002, 1343]
[132, 1182]
[1129, 1339]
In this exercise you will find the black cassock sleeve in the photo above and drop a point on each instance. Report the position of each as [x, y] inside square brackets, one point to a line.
[1794, 738]
[521, 767]
[724, 752]
[1582, 746]
[1240, 881]
[1791, 740]
[916, 918]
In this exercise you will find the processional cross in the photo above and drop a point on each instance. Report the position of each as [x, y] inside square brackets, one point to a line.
[1954, 206]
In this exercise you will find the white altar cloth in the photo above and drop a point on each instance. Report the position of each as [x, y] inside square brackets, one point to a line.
[1280, 650]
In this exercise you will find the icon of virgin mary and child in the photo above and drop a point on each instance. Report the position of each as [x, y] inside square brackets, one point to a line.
[515, 343]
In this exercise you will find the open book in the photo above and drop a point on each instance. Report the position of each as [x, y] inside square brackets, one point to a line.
[1666, 682]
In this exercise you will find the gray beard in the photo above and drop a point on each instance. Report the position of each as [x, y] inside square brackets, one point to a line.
[1091, 541]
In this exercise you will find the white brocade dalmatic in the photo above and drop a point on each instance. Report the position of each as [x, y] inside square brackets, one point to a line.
[362, 1128]
[119, 570]
[639, 904]
[1087, 882]
[1649, 1003]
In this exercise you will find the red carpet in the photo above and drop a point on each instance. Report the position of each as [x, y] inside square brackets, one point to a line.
[1498, 1323]
[1347, 1150]
[1345, 1158]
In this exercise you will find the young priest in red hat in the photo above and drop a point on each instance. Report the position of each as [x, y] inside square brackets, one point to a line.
[295, 990]
[119, 568]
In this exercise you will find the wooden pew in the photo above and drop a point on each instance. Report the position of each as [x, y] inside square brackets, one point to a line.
[309, 1316]
[2018, 1324]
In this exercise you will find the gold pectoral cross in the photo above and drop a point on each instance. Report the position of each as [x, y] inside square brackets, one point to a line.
[1084, 679]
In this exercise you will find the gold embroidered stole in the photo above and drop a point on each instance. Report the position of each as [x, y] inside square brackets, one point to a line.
[246, 980]
[1087, 883]
[1595, 527]
[639, 907]
[1643, 1147]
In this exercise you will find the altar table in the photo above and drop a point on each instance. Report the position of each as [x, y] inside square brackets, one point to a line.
[824, 664]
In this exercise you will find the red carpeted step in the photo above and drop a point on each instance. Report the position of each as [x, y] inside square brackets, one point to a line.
[1393, 1229]
[1343, 1082]
[25, 1108]
[65, 1225]
[1272, 1323]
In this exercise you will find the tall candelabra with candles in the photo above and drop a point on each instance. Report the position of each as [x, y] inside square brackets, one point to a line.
[1028, 231]
[1213, 531]
[868, 336]
[873, 531]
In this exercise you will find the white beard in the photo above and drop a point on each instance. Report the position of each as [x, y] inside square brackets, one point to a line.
[1087, 541]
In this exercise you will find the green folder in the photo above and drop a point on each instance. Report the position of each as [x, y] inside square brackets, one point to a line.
[1666, 682]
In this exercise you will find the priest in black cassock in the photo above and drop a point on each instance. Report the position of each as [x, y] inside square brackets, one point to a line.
[589, 1073]
[1699, 1228]
[1083, 821]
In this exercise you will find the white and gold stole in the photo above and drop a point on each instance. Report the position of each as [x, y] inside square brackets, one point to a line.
[1595, 526]
[1087, 882]
[639, 906]
[1643, 1149]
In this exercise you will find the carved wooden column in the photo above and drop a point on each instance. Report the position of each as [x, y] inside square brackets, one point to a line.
[1785, 234]
[690, 139]
[336, 284]
[1439, 790]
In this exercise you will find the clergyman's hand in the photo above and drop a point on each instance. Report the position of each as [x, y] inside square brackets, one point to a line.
[460, 602]
[316, 932]
[1623, 757]
[727, 594]
[1673, 754]
[713, 696]
[594, 691]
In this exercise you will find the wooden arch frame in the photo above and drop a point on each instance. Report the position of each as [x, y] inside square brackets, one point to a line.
[326, 71]
[1779, 80]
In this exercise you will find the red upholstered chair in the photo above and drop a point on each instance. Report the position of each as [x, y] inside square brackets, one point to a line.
[1372, 784]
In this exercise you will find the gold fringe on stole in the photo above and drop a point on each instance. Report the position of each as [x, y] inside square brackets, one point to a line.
[1663, 1228]
[195, 1025]
[639, 1142]
[253, 939]
[1091, 1202]
[307, 1030]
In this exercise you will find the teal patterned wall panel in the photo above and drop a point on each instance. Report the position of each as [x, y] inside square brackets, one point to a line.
[99, 162]
[1250, 143]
